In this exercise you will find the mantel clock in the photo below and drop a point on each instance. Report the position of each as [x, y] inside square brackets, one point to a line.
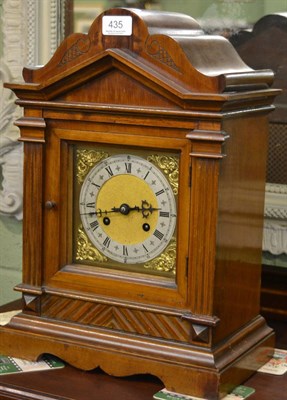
[145, 150]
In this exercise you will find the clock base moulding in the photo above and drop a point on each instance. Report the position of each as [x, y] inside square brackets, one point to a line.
[181, 366]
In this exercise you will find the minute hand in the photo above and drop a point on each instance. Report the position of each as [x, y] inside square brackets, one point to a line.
[146, 209]
[123, 209]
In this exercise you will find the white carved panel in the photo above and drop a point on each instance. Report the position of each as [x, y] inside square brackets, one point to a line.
[11, 158]
[32, 30]
[275, 223]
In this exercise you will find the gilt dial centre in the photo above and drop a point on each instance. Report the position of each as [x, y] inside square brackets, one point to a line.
[124, 195]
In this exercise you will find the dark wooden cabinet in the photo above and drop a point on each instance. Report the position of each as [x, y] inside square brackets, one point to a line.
[265, 47]
[145, 154]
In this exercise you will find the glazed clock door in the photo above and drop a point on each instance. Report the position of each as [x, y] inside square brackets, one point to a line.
[120, 217]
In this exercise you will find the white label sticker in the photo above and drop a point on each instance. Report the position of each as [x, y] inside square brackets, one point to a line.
[117, 25]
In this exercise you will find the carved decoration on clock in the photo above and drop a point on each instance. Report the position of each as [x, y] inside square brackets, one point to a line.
[31, 303]
[79, 48]
[87, 159]
[200, 333]
[169, 165]
[155, 50]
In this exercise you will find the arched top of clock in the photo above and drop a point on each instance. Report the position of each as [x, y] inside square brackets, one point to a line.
[169, 49]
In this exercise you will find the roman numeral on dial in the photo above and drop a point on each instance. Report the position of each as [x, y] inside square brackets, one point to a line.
[125, 251]
[145, 249]
[159, 192]
[107, 242]
[164, 214]
[109, 171]
[95, 184]
[94, 225]
[158, 234]
[128, 167]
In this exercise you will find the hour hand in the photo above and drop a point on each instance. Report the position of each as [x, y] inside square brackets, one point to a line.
[147, 209]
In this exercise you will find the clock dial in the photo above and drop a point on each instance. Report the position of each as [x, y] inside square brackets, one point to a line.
[128, 209]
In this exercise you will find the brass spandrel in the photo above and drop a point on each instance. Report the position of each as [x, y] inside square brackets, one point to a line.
[170, 166]
[86, 159]
[85, 250]
[166, 262]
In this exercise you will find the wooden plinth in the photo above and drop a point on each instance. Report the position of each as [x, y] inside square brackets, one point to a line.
[182, 368]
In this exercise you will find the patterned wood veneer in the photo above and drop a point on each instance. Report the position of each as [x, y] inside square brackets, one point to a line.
[114, 317]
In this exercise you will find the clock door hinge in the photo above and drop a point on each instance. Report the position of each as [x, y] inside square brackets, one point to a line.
[190, 176]
[186, 266]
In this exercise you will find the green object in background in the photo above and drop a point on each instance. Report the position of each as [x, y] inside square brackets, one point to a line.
[11, 365]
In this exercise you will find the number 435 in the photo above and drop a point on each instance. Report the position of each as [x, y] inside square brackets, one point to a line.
[116, 24]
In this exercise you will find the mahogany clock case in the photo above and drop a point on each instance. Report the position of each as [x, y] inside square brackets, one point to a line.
[168, 99]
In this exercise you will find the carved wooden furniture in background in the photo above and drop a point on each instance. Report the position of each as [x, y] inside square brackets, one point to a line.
[25, 42]
[145, 125]
[265, 47]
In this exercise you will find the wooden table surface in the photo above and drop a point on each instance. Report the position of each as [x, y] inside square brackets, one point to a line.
[71, 384]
